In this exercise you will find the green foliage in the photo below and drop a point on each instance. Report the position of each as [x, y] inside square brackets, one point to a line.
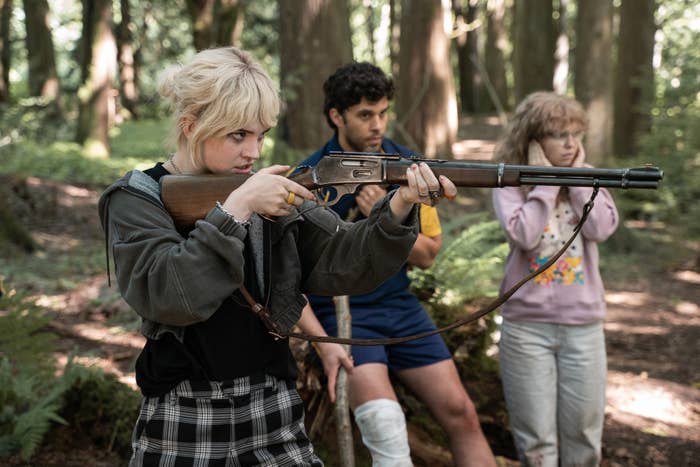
[678, 72]
[35, 120]
[97, 406]
[627, 248]
[140, 140]
[30, 403]
[54, 273]
[468, 267]
[23, 338]
[30, 395]
[465, 274]
[674, 145]
[32, 398]
[36, 145]
[260, 36]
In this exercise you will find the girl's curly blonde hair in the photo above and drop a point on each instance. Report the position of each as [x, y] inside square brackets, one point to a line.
[539, 114]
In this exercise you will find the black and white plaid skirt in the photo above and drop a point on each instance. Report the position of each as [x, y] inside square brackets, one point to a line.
[247, 421]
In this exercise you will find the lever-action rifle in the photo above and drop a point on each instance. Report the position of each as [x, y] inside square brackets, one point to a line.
[189, 197]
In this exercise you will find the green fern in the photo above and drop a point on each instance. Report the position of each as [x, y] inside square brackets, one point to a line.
[30, 394]
[469, 267]
[28, 408]
[23, 338]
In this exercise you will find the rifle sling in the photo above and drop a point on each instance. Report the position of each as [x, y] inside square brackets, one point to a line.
[262, 312]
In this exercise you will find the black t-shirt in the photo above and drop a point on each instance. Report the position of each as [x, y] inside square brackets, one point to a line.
[232, 343]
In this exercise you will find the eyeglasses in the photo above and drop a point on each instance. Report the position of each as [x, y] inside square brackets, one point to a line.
[563, 136]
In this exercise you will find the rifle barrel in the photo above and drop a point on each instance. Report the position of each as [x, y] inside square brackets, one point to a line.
[488, 174]
[602, 182]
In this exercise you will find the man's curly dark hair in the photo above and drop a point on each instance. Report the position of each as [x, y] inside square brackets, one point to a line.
[350, 83]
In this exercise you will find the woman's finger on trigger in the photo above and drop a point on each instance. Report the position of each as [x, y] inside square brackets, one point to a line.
[300, 191]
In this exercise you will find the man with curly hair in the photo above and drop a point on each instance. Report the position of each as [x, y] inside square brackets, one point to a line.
[356, 106]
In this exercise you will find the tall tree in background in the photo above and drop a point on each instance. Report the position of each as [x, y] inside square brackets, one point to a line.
[394, 35]
[634, 79]
[201, 13]
[98, 68]
[495, 53]
[314, 42]
[216, 22]
[466, 12]
[561, 55]
[370, 27]
[228, 22]
[128, 69]
[5, 55]
[593, 74]
[533, 46]
[426, 103]
[43, 79]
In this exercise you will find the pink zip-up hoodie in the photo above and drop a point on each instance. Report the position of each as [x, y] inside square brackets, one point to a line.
[536, 225]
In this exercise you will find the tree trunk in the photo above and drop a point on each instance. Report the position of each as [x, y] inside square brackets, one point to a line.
[593, 76]
[561, 55]
[342, 403]
[43, 79]
[5, 49]
[494, 53]
[128, 79]
[533, 42]
[426, 103]
[394, 35]
[634, 80]
[11, 228]
[369, 29]
[99, 66]
[228, 22]
[465, 12]
[314, 42]
[201, 13]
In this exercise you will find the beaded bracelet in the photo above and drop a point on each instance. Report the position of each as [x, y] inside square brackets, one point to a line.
[244, 223]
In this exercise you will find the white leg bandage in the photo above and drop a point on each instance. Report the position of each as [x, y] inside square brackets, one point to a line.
[383, 427]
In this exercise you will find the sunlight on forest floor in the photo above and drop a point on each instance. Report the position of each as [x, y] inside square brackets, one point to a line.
[652, 405]
[691, 277]
[627, 298]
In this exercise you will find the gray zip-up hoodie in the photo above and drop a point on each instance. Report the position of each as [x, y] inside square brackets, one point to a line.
[172, 281]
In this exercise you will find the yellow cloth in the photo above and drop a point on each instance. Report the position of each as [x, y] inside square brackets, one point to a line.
[429, 221]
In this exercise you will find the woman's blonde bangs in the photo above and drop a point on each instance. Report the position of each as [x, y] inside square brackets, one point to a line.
[249, 98]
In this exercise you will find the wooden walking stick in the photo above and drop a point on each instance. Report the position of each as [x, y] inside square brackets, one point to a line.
[342, 409]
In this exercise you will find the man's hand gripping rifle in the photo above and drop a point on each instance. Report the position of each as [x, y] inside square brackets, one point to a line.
[189, 197]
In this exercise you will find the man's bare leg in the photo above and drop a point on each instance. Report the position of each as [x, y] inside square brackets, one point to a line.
[379, 416]
[454, 410]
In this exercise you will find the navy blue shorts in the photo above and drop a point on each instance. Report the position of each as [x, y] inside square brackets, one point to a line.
[395, 318]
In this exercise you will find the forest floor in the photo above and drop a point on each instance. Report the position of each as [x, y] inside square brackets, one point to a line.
[652, 416]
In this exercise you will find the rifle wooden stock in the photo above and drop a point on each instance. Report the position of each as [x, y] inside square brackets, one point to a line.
[189, 197]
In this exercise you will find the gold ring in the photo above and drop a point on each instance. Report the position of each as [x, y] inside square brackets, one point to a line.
[291, 197]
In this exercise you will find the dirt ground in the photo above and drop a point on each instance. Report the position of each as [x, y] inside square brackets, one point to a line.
[653, 329]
